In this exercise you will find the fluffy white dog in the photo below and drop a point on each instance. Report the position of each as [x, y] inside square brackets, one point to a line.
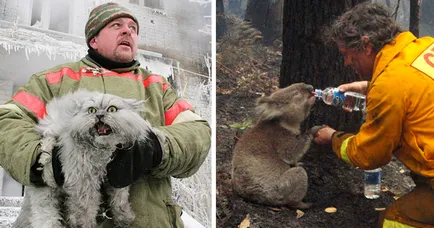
[87, 127]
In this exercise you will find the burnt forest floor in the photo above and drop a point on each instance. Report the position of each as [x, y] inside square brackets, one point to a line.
[332, 183]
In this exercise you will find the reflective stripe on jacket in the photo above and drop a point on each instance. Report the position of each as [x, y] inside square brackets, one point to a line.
[187, 143]
[400, 110]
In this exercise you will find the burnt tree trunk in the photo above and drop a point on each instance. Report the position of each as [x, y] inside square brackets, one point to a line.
[414, 17]
[305, 58]
[265, 16]
[220, 19]
[427, 18]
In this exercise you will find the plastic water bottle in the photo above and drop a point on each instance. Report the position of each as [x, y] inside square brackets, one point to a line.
[350, 100]
[372, 183]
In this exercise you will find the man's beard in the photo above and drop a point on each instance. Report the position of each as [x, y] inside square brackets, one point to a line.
[122, 58]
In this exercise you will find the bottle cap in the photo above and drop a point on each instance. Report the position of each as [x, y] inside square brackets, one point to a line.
[318, 93]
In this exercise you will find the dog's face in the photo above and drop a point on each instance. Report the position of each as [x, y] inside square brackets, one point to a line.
[94, 119]
[103, 120]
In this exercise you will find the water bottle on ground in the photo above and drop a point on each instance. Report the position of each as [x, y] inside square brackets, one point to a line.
[372, 183]
[350, 100]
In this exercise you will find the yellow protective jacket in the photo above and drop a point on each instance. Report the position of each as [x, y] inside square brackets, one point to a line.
[400, 110]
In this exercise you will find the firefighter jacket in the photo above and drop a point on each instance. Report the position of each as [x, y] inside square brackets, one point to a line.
[399, 110]
[186, 147]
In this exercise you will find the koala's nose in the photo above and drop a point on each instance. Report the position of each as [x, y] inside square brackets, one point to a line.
[309, 87]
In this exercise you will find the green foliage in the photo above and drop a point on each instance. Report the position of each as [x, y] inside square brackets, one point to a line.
[242, 125]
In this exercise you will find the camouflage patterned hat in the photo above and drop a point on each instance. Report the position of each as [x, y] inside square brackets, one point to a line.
[103, 14]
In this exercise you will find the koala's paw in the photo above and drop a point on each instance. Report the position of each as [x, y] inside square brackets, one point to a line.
[315, 129]
[302, 205]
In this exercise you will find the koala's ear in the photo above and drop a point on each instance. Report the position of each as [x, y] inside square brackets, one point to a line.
[266, 109]
[263, 100]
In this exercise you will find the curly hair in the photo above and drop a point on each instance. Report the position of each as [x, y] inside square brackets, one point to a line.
[365, 19]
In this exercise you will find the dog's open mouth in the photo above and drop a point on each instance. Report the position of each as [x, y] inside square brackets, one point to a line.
[102, 128]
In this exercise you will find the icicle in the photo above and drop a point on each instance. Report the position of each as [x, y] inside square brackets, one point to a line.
[27, 53]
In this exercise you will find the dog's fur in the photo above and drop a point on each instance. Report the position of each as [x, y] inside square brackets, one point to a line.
[71, 124]
[265, 166]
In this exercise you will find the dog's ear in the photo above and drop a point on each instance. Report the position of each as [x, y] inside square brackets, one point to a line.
[135, 105]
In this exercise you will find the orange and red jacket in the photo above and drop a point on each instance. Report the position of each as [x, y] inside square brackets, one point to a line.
[186, 146]
[400, 110]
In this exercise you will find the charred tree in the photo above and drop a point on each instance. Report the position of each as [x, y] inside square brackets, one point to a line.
[427, 18]
[266, 16]
[220, 19]
[305, 58]
[414, 17]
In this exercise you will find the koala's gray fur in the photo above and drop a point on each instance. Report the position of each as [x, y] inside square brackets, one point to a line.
[265, 159]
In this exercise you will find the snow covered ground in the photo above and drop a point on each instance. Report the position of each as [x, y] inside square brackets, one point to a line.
[9, 209]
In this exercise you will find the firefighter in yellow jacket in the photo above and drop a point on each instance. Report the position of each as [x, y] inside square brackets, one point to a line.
[397, 70]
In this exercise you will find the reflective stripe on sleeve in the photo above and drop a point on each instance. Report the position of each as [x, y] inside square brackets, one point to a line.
[344, 155]
[153, 78]
[390, 223]
[171, 114]
[31, 102]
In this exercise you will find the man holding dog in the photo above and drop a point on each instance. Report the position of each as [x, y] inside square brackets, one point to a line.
[398, 73]
[112, 37]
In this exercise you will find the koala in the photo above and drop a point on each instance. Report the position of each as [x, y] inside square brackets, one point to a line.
[265, 161]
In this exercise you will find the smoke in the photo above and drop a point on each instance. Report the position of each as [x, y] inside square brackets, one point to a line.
[193, 28]
[60, 15]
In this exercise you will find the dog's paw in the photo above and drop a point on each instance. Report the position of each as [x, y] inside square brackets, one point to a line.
[124, 219]
[44, 158]
[48, 176]
[315, 129]
[47, 143]
[302, 205]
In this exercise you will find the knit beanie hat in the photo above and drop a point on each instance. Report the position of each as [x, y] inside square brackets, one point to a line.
[103, 14]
